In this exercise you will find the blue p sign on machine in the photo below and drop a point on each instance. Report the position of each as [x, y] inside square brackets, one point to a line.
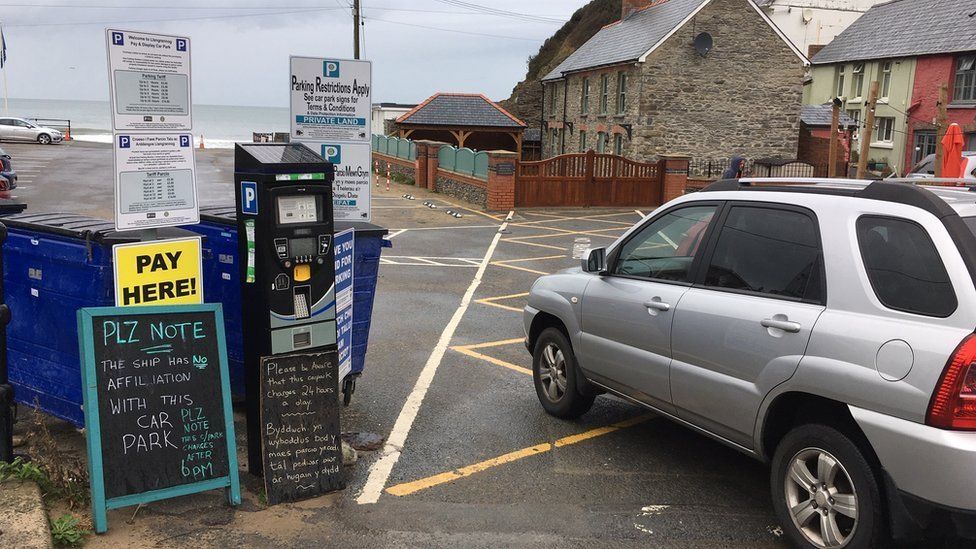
[249, 197]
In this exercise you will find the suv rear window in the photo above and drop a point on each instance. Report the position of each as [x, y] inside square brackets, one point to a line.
[904, 267]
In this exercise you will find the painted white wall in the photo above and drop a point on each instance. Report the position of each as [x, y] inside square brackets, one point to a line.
[811, 22]
[381, 114]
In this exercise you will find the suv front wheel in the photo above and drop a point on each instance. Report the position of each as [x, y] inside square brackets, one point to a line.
[824, 490]
[556, 376]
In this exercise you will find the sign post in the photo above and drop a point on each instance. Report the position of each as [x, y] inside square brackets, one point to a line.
[158, 418]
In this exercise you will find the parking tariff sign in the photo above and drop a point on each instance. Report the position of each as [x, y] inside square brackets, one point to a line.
[155, 184]
[149, 81]
[330, 99]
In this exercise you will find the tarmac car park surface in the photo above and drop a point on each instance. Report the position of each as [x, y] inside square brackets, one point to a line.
[471, 459]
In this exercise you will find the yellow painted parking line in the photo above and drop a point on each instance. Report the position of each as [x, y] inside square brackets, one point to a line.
[517, 268]
[565, 232]
[469, 350]
[530, 259]
[507, 263]
[413, 487]
[536, 244]
[490, 301]
[593, 218]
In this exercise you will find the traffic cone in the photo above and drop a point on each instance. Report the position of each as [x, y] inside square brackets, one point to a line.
[67, 134]
[201, 142]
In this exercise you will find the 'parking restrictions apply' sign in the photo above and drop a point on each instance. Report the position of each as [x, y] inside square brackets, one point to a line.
[330, 99]
[161, 272]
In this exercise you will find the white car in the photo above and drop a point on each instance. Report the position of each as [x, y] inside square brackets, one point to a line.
[925, 169]
[19, 129]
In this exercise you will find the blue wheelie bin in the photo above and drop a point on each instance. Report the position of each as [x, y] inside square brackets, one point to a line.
[55, 264]
[221, 283]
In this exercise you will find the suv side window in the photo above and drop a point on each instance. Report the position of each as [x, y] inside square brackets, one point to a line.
[904, 267]
[769, 251]
[666, 248]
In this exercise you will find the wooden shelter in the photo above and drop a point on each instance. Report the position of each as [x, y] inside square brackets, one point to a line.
[463, 120]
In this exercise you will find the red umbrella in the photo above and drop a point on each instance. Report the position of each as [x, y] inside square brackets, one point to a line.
[952, 145]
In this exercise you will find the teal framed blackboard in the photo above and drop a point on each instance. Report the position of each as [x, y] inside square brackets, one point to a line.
[158, 417]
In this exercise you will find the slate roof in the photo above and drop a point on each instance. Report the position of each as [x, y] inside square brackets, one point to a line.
[821, 115]
[628, 39]
[905, 28]
[458, 110]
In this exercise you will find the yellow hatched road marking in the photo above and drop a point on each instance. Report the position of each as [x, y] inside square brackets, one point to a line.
[490, 301]
[549, 246]
[507, 263]
[408, 488]
[469, 351]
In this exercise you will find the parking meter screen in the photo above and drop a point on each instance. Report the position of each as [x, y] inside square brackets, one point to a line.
[302, 246]
[298, 209]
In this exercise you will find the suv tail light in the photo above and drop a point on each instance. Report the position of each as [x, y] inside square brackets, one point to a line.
[953, 405]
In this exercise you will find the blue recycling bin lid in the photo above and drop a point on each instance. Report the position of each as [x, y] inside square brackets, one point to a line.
[83, 227]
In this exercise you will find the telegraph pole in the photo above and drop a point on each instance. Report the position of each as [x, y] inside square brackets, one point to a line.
[868, 134]
[834, 127]
[355, 29]
[941, 126]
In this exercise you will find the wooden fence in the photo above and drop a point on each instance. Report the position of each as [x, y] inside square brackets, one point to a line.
[588, 179]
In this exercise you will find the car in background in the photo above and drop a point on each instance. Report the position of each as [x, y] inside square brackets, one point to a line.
[19, 129]
[925, 169]
[7, 170]
[825, 327]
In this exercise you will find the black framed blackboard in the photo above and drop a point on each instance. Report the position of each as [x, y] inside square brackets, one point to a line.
[302, 450]
[157, 404]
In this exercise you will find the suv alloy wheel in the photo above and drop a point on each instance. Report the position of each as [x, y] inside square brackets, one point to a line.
[555, 374]
[824, 491]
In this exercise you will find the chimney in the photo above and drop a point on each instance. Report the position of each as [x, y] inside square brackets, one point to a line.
[814, 49]
[630, 6]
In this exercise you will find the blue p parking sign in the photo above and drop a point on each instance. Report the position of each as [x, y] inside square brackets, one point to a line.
[332, 153]
[330, 69]
[249, 197]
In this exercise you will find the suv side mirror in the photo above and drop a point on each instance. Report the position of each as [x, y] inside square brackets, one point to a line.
[595, 260]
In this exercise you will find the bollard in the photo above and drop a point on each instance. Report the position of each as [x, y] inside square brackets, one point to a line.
[201, 141]
[387, 177]
[376, 171]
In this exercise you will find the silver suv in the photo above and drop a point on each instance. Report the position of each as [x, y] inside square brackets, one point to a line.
[823, 326]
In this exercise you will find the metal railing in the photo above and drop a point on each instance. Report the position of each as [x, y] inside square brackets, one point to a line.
[63, 125]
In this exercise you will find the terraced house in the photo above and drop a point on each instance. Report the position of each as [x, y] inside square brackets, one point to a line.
[911, 48]
[702, 78]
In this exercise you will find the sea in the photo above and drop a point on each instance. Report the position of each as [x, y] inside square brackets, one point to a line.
[219, 126]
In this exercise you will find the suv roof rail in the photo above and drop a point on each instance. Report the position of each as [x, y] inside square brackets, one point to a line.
[900, 191]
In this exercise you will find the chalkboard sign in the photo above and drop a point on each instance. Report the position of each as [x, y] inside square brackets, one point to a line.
[157, 404]
[300, 426]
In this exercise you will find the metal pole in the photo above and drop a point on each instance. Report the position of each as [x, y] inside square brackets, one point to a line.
[6, 391]
[834, 126]
[355, 29]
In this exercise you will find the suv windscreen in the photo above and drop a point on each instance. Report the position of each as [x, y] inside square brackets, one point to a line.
[904, 266]
[769, 251]
[665, 249]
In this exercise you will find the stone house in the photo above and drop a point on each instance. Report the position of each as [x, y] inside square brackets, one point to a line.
[925, 44]
[641, 87]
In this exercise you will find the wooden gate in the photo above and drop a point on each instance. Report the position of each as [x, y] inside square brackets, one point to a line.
[588, 179]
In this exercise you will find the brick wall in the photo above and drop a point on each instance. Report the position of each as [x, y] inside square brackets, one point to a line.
[814, 148]
[930, 73]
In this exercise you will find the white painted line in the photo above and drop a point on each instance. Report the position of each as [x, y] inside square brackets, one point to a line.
[395, 234]
[424, 257]
[638, 212]
[379, 473]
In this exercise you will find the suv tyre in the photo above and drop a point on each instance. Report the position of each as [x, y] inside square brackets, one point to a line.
[556, 376]
[824, 490]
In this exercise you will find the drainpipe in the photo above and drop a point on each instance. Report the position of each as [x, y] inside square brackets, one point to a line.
[562, 143]
[542, 124]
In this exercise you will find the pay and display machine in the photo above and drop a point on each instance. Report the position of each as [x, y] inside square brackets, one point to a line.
[287, 265]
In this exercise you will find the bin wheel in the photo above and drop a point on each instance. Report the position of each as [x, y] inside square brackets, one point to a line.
[348, 388]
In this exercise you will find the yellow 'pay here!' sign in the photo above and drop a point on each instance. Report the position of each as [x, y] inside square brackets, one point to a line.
[161, 272]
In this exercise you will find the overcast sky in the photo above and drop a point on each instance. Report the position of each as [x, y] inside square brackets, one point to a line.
[58, 52]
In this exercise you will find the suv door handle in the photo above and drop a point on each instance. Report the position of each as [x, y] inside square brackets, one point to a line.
[658, 305]
[785, 325]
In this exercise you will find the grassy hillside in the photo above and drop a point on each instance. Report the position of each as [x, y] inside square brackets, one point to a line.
[526, 99]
